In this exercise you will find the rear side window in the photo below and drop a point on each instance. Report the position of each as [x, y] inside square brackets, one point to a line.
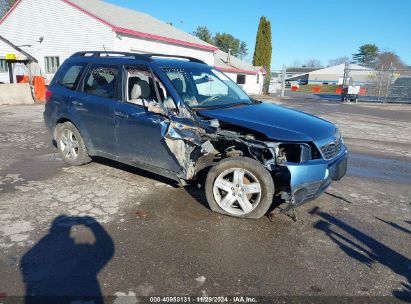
[71, 76]
[102, 81]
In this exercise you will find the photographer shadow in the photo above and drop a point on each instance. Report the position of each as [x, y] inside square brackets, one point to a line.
[59, 270]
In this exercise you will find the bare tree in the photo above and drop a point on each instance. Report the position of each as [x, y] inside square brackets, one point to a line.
[313, 63]
[296, 64]
[389, 59]
[339, 60]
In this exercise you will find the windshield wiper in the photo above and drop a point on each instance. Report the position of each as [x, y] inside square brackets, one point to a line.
[212, 98]
[223, 106]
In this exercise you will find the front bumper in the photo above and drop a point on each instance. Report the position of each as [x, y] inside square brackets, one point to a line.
[309, 180]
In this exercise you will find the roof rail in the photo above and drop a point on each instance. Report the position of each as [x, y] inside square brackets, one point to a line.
[146, 57]
[110, 53]
[192, 59]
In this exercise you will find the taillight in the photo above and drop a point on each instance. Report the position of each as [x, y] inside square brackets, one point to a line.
[48, 95]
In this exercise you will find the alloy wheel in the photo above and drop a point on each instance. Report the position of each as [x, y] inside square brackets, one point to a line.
[69, 144]
[237, 191]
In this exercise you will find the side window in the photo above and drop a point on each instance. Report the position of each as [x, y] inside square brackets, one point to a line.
[141, 88]
[101, 81]
[71, 76]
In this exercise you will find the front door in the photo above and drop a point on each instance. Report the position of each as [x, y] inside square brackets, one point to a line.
[140, 133]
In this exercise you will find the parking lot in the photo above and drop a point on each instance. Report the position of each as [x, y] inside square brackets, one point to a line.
[160, 239]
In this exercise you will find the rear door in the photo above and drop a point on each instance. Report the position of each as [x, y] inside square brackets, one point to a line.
[62, 87]
[95, 102]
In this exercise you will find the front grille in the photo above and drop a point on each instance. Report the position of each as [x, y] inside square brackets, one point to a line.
[332, 149]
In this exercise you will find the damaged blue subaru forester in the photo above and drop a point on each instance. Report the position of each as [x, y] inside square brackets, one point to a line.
[180, 118]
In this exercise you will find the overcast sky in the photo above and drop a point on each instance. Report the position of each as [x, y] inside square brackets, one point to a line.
[301, 29]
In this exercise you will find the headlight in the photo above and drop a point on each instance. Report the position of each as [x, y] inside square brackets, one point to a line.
[293, 153]
[337, 135]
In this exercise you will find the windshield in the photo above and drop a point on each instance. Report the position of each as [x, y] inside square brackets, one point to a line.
[206, 88]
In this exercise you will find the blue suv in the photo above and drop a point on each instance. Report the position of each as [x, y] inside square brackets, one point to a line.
[179, 117]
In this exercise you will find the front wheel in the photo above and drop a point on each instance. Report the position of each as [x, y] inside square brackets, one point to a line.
[239, 187]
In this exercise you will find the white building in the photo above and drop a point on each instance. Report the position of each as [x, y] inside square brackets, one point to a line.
[247, 76]
[334, 75]
[52, 30]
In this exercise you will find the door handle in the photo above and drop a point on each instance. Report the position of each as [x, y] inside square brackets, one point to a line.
[120, 114]
[77, 103]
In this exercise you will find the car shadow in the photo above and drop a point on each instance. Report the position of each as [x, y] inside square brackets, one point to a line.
[57, 269]
[365, 249]
[196, 188]
[134, 170]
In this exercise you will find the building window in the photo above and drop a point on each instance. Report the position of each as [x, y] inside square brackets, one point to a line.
[258, 78]
[240, 79]
[52, 63]
[3, 66]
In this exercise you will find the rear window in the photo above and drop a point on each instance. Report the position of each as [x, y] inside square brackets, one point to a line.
[71, 76]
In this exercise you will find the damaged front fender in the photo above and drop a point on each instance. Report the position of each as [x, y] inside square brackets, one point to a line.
[187, 141]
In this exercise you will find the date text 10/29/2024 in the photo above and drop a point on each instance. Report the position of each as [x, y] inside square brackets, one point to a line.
[203, 299]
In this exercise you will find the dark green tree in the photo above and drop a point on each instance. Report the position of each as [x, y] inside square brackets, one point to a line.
[223, 41]
[204, 34]
[5, 5]
[367, 55]
[226, 42]
[263, 49]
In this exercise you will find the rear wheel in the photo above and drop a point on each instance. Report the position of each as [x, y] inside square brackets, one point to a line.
[239, 187]
[71, 146]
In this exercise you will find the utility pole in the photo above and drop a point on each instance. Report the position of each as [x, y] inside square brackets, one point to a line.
[380, 82]
[346, 74]
[345, 83]
[283, 81]
[388, 82]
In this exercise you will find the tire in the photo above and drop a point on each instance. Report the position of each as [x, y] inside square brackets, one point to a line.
[238, 192]
[69, 137]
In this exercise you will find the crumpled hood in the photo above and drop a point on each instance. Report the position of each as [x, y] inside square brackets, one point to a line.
[275, 122]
